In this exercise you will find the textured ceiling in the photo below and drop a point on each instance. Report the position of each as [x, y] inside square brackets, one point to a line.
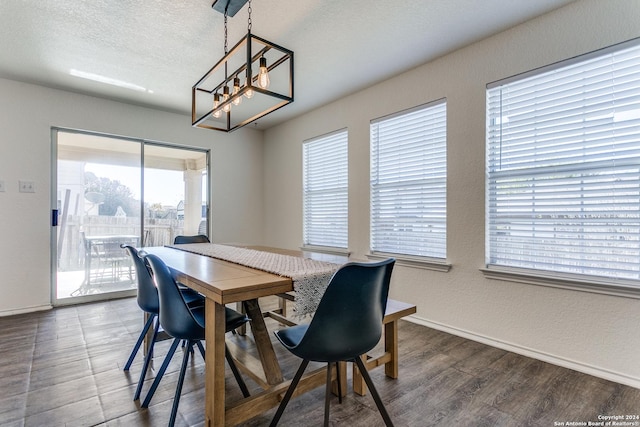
[162, 47]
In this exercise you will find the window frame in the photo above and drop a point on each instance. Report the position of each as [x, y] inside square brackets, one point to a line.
[412, 259]
[546, 277]
[340, 136]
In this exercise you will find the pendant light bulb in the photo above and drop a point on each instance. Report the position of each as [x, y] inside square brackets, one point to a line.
[249, 93]
[263, 76]
[216, 102]
[225, 96]
[236, 88]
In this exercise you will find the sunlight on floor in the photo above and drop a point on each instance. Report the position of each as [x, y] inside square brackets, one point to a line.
[72, 284]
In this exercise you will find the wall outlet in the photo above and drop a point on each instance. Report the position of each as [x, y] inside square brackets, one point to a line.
[26, 187]
[2, 190]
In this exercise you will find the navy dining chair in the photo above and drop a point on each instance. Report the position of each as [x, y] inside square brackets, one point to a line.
[199, 238]
[346, 325]
[149, 303]
[185, 323]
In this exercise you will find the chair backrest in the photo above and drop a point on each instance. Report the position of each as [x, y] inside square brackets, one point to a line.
[147, 291]
[175, 317]
[348, 321]
[199, 238]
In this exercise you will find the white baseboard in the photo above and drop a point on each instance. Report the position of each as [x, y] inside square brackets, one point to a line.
[529, 352]
[32, 309]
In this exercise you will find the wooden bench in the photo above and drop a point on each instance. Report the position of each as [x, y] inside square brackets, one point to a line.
[394, 312]
[280, 314]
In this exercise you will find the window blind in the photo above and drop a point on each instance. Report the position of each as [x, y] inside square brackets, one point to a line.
[325, 188]
[563, 167]
[409, 182]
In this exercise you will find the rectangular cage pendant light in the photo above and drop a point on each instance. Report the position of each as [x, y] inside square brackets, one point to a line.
[252, 80]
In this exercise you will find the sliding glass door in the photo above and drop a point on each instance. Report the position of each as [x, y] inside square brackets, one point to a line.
[111, 191]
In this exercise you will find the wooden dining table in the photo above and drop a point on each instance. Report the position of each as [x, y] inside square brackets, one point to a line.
[222, 283]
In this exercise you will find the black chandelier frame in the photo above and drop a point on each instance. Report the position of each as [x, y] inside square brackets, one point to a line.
[204, 89]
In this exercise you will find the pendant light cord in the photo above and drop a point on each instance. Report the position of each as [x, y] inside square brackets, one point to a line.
[225, 33]
[226, 49]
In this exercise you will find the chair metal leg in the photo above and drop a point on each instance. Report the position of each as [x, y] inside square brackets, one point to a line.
[201, 348]
[327, 396]
[289, 393]
[163, 368]
[136, 347]
[183, 370]
[147, 362]
[236, 372]
[374, 392]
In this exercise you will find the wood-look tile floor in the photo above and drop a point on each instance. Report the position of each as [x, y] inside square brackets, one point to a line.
[64, 368]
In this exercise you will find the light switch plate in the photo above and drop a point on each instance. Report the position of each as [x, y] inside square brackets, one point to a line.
[2, 190]
[26, 187]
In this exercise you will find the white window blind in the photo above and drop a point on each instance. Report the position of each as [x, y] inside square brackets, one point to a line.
[563, 167]
[325, 188]
[409, 182]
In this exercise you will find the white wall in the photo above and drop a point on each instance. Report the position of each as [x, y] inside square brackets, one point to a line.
[27, 113]
[593, 333]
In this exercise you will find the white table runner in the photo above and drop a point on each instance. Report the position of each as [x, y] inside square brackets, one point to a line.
[310, 277]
